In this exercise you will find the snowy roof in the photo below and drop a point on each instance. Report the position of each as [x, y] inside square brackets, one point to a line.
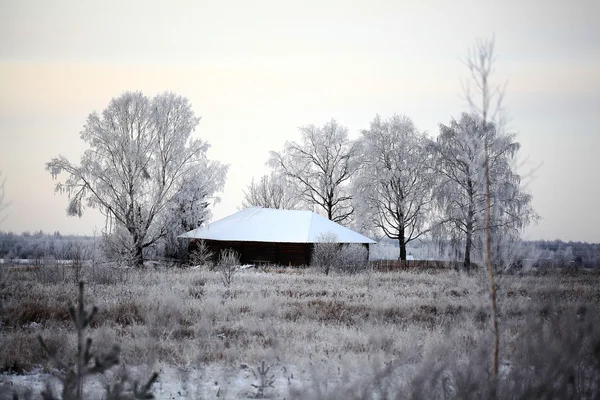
[257, 224]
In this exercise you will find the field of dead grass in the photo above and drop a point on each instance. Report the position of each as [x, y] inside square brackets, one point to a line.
[399, 332]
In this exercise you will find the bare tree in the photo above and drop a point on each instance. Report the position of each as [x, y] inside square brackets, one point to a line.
[461, 192]
[320, 168]
[271, 191]
[485, 100]
[141, 158]
[394, 187]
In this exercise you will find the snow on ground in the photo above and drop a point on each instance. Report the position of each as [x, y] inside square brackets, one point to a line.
[209, 382]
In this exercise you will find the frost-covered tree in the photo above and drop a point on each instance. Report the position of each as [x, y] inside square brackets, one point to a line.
[461, 193]
[141, 164]
[320, 168]
[271, 191]
[393, 189]
[485, 100]
[189, 209]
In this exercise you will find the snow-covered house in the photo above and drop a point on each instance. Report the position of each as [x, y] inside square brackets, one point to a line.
[264, 235]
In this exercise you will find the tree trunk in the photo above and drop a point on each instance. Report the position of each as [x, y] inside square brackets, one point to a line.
[139, 258]
[469, 238]
[467, 260]
[488, 236]
[402, 250]
[402, 247]
[468, 242]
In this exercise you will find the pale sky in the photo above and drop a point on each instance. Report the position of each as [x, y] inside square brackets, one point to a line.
[257, 70]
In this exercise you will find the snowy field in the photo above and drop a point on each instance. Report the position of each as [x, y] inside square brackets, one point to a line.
[370, 335]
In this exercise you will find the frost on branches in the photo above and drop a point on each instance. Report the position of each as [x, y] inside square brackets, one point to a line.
[393, 187]
[461, 195]
[271, 191]
[320, 167]
[142, 170]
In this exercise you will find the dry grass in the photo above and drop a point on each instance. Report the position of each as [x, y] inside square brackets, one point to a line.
[352, 331]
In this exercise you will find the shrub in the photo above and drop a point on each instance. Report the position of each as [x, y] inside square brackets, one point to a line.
[326, 253]
[228, 264]
[201, 255]
[329, 254]
[80, 254]
[123, 313]
[107, 274]
[50, 274]
[116, 247]
[352, 258]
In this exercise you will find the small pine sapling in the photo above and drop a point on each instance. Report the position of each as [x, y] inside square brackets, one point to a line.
[89, 362]
[264, 380]
[202, 256]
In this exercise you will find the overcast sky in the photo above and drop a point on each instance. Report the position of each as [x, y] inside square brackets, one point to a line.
[257, 70]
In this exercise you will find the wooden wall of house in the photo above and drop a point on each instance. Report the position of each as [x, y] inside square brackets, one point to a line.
[285, 254]
[295, 254]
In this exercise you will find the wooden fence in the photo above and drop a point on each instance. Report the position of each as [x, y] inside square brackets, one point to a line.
[392, 265]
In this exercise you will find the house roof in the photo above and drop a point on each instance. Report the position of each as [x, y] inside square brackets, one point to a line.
[257, 224]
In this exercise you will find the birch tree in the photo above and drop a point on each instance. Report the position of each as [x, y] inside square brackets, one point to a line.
[485, 99]
[461, 193]
[271, 191]
[480, 61]
[320, 168]
[141, 159]
[394, 186]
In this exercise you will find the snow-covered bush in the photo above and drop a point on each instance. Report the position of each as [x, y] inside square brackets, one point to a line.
[326, 253]
[228, 265]
[352, 258]
[116, 247]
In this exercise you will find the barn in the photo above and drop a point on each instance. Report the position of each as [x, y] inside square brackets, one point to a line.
[273, 236]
